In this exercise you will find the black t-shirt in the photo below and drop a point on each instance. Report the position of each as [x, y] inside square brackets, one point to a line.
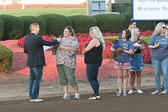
[138, 50]
[94, 55]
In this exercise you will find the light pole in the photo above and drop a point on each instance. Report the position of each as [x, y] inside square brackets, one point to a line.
[4, 4]
[88, 7]
[109, 6]
[23, 1]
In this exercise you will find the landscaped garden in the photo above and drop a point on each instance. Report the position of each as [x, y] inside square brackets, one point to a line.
[14, 29]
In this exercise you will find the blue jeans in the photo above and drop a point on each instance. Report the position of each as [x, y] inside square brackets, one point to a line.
[160, 66]
[34, 81]
[92, 72]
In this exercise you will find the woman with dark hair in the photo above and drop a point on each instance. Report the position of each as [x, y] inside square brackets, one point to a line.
[122, 61]
[66, 62]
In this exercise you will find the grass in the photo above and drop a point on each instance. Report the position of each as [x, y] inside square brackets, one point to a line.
[146, 39]
[110, 38]
[37, 12]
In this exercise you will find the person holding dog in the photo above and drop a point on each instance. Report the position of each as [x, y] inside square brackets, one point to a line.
[137, 64]
[66, 62]
[122, 61]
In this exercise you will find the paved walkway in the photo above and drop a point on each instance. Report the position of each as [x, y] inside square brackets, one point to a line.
[12, 88]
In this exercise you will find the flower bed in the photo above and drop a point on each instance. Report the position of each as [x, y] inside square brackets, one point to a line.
[50, 70]
[84, 38]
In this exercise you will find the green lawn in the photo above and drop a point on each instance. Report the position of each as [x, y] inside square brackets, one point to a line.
[37, 12]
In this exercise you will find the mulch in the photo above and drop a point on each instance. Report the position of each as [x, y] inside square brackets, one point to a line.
[50, 70]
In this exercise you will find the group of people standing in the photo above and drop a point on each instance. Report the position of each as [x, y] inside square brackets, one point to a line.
[65, 51]
[130, 59]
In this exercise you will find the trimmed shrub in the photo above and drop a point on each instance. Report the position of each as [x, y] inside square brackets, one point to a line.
[142, 25]
[56, 23]
[145, 25]
[110, 22]
[6, 57]
[128, 17]
[13, 27]
[81, 24]
[1, 29]
[32, 19]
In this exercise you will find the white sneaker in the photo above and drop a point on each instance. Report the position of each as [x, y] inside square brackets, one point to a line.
[66, 97]
[139, 91]
[155, 92]
[164, 92]
[77, 96]
[130, 92]
[36, 100]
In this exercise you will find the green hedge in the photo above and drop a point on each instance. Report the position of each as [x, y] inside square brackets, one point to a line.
[128, 17]
[81, 24]
[142, 25]
[6, 57]
[32, 19]
[145, 25]
[56, 23]
[110, 23]
[1, 29]
[13, 27]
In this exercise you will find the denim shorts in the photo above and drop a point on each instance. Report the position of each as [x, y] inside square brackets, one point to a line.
[66, 75]
[137, 63]
[120, 66]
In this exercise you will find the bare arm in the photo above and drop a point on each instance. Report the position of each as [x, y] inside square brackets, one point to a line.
[93, 43]
[130, 51]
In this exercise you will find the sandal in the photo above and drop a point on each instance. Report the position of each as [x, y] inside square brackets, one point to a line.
[94, 98]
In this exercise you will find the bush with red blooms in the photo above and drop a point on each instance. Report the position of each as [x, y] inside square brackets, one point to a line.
[146, 55]
[84, 38]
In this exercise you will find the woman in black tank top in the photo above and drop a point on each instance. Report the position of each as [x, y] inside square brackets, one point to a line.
[93, 59]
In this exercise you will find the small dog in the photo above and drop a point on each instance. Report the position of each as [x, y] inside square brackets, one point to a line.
[139, 43]
[116, 48]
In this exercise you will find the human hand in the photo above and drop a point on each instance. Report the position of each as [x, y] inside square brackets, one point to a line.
[156, 45]
[63, 47]
[59, 39]
[53, 38]
[84, 51]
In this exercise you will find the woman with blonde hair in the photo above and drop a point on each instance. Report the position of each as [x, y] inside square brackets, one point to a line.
[93, 59]
[137, 64]
[159, 56]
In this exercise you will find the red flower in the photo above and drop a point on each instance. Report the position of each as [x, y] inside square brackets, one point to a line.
[84, 38]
